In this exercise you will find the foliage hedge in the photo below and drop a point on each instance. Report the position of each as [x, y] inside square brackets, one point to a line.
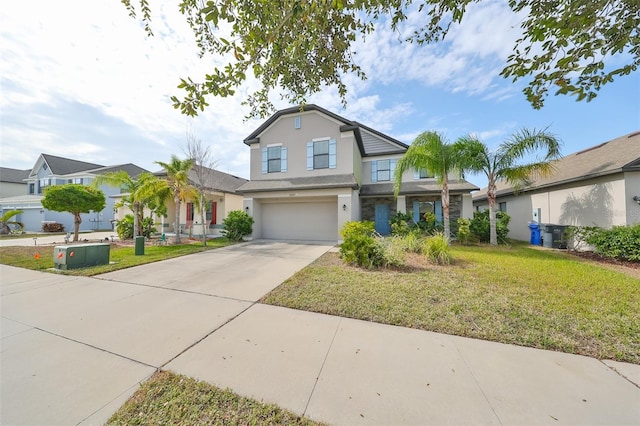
[480, 227]
[53, 227]
[237, 225]
[124, 227]
[619, 242]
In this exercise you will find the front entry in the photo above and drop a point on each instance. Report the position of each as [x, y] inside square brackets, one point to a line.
[382, 219]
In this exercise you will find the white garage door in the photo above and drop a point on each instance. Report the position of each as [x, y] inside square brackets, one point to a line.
[311, 221]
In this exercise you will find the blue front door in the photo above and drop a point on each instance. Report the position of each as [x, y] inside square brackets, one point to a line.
[382, 219]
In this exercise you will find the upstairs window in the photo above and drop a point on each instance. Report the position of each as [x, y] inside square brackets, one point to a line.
[321, 154]
[75, 180]
[422, 174]
[274, 159]
[32, 188]
[382, 170]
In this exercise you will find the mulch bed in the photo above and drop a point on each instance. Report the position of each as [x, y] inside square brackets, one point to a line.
[594, 257]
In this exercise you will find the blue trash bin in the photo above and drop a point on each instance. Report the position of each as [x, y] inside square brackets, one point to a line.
[535, 234]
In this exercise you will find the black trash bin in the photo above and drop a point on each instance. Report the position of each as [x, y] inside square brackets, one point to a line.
[139, 248]
[557, 237]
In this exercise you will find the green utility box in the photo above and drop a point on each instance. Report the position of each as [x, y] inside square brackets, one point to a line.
[80, 255]
[139, 248]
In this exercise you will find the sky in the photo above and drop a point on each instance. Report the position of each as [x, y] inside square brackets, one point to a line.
[82, 80]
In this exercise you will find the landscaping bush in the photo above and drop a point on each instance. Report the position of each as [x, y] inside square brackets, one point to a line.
[479, 226]
[412, 242]
[619, 242]
[464, 231]
[401, 224]
[124, 227]
[237, 225]
[393, 251]
[53, 227]
[359, 246]
[436, 249]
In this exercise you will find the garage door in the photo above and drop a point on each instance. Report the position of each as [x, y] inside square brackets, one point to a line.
[311, 221]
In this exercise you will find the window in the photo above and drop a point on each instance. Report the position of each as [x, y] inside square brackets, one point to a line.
[32, 188]
[297, 122]
[321, 154]
[274, 159]
[421, 174]
[502, 206]
[75, 180]
[382, 170]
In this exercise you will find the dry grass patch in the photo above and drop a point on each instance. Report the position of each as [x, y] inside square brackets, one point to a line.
[518, 295]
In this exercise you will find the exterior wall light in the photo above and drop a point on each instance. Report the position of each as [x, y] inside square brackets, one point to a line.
[344, 207]
[636, 198]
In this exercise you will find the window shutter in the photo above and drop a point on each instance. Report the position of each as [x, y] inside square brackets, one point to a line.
[374, 171]
[438, 208]
[332, 154]
[309, 155]
[283, 159]
[416, 211]
[416, 174]
[265, 165]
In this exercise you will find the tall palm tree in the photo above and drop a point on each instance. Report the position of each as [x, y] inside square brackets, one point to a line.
[136, 199]
[504, 163]
[177, 181]
[432, 152]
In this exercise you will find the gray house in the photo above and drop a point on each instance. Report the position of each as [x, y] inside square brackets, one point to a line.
[598, 186]
[12, 181]
[313, 170]
[52, 170]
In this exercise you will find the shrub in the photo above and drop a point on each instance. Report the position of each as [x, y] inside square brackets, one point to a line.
[619, 242]
[429, 224]
[393, 251]
[412, 242]
[53, 227]
[401, 224]
[436, 249]
[464, 231]
[124, 227]
[359, 246]
[237, 225]
[479, 226]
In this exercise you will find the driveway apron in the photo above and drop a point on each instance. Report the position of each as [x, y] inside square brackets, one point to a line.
[75, 348]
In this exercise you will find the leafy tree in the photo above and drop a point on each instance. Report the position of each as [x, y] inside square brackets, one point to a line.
[480, 226]
[304, 46]
[75, 199]
[431, 152]
[503, 163]
[133, 186]
[203, 169]
[5, 221]
[176, 183]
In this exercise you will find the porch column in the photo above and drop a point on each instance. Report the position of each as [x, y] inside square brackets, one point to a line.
[401, 204]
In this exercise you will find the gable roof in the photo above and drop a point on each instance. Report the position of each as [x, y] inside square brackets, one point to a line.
[13, 175]
[307, 182]
[131, 169]
[65, 166]
[370, 141]
[219, 181]
[615, 156]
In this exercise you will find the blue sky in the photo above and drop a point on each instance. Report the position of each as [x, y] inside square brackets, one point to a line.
[86, 83]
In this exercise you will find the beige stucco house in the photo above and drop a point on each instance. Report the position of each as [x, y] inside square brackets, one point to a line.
[598, 186]
[221, 196]
[313, 170]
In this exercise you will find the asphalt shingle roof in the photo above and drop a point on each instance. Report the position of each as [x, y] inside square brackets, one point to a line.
[131, 169]
[65, 166]
[418, 187]
[614, 156]
[215, 180]
[311, 182]
[13, 175]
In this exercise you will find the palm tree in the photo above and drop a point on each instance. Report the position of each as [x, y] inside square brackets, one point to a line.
[430, 151]
[5, 221]
[503, 164]
[177, 182]
[137, 199]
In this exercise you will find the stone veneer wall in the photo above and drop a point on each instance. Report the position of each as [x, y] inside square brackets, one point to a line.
[367, 206]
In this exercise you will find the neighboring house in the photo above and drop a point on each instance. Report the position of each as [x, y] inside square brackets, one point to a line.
[221, 195]
[598, 186]
[52, 170]
[312, 171]
[12, 182]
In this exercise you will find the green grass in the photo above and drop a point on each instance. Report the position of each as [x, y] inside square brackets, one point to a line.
[170, 399]
[517, 294]
[120, 257]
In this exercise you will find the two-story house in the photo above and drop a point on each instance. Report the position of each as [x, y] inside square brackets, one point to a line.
[313, 170]
[52, 170]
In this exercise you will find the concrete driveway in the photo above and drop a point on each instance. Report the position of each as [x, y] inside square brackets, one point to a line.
[74, 348]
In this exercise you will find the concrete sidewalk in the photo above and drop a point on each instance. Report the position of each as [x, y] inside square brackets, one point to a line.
[345, 372]
[44, 239]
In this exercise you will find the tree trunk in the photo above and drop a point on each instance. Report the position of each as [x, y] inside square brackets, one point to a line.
[177, 223]
[445, 207]
[136, 219]
[491, 197]
[77, 220]
[202, 218]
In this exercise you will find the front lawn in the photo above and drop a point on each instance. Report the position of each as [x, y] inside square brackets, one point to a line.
[518, 294]
[40, 258]
[171, 399]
